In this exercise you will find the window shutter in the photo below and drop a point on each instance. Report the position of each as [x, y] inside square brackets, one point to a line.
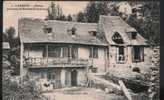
[90, 52]
[117, 53]
[74, 52]
[142, 53]
[132, 54]
[95, 52]
[65, 52]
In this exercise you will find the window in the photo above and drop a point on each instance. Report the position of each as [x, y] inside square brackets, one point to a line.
[120, 55]
[133, 35]
[42, 75]
[138, 54]
[74, 52]
[65, 52]
[51, 76]
[93, 33]
[117, 38]
[73, 30]
[94, 70]
[48, 30]
[54, 52]
[134, 10]
[93, 52]
[45, 51]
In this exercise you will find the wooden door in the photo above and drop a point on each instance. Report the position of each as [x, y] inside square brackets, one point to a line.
[74, 78]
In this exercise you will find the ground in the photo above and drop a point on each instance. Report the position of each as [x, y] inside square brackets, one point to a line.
[81, 93]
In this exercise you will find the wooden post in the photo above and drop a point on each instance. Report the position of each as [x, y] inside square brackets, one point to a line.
[125, 90]
[108, 57]
[106, 60]
[47, 53]
[70, 52]
[61, 53]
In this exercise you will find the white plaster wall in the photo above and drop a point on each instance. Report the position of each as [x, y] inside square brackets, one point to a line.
[112, 56]
[100, 61]
[83, 52]
[144, 66]
[81, 77]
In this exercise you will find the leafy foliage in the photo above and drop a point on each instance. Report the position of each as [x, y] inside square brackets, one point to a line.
[55, 12]
[14, 56]
[26, 90]
[148, 26]
[94, 10]
[81, 17]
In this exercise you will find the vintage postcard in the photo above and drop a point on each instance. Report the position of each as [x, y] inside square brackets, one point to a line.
[81, 50]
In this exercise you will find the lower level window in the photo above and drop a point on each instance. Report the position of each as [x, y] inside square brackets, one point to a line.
[93, 52]
[138, 54]
[120, 54]
[51, 76]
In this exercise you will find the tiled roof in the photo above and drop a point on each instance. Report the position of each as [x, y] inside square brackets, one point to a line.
[112, 24]
[31, 31]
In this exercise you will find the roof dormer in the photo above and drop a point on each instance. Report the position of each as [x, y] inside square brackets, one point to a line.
[72, 32]
[47, 30]
[93, 33]
[132, 34]
[117, 38]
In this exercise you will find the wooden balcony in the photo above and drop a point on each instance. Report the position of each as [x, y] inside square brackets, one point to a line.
[56, 62]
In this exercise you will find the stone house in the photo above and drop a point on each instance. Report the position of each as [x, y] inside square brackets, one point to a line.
[127, 48]
[61, 51]
[64, 52]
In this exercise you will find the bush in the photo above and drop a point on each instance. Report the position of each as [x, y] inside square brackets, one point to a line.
[26, 90]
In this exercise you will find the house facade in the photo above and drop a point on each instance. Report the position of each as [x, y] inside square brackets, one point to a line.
[64, 52]
[61, 52]
[127, 48]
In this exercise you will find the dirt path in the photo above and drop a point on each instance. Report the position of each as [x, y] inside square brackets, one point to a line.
[81, 94]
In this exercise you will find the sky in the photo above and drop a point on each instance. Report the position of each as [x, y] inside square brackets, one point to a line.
[10, 16]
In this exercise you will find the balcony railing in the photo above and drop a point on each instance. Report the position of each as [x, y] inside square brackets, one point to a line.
[56, 62]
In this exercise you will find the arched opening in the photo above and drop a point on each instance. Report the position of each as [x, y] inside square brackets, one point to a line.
[74, 78]
[117, 38]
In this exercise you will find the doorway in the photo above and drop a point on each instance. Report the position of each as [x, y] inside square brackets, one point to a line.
[74, 78]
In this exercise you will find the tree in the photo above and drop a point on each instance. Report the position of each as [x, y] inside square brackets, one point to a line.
[81, 17]
[52, 13]
[95, 9]
[26, 90]
[55, 12]
[69, 18]
[149, 26]
[5, 37]
[14, 56]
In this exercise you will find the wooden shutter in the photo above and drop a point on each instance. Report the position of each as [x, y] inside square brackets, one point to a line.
[90, 52]
[65, 52]
[74, 52]
[132, 49]
[142, 53]
[95, 52]
[117, 54]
